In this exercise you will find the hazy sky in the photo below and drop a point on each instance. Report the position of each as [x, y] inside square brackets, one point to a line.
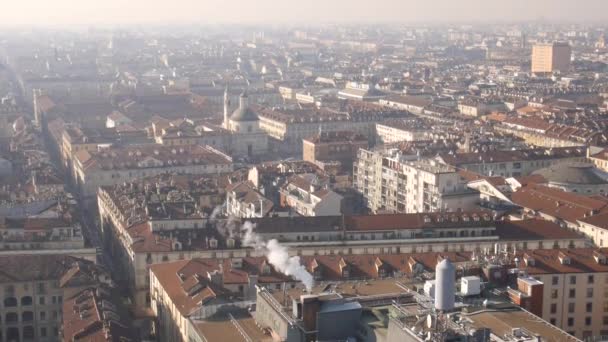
[84, 12]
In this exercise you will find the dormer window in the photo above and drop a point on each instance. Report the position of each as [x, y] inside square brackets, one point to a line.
[599, 257]
[563, 258]
[529, 260]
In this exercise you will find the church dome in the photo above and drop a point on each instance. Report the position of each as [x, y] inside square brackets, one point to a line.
[244, 113]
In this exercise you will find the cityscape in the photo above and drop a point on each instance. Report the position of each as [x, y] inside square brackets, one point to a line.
[438, 172]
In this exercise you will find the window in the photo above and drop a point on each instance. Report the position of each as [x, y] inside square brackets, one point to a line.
[10, 302]
[570, 307]
[570, 321]
[42, 315]
[590, 279]
[11, 317]
[41, 300]
[553, 308]
[589, 307]
[552, 321]
[587, 320]
[572, 280]
[555, 280]
[28, 332]
[554, 294]
[605, 320]
[27, 316]
[572, 293]
[590, 292]
[26, 301]
[43, 332]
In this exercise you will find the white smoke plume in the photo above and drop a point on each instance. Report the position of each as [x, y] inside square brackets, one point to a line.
[278, 256]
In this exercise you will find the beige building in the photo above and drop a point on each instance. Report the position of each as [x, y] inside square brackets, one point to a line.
[287, 128]
[599, 157]
[575, 289]
[32, 296]
[305, 196]
[549, 58]
[243, 200]
[118, 165]
[512, 163]
[401, 130]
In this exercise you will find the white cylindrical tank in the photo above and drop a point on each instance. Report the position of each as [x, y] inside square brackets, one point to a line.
[445, 277]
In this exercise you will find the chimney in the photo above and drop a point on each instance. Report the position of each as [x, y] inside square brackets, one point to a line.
[310, 307]
[253, 282]
[261, 207]
[216, 277]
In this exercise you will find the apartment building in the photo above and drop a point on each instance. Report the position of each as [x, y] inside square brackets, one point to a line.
[287, 128]
[120, 164]
[413, 104]
[306, 197]
[75, 139]
[33, 291]
[391, 182]
[541, 133]
[478, 106]
[551, 57]
[340, 146]
[187, 292]
[243, 200]
[574, 294]
[512, 163]
[43, 236]
[599, 157]
[393, 131]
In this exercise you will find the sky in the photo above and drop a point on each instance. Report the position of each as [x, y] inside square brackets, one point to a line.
[102, 12]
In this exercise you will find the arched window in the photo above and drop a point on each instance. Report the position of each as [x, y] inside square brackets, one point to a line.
[10, 302]
[27, 300]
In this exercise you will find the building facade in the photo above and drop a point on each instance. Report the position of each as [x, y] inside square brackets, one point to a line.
[549, 58]
[390, 183]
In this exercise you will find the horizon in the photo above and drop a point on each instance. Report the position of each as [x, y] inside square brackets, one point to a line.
[74, 13]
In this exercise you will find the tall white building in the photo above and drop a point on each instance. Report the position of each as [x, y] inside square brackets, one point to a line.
[391, 183]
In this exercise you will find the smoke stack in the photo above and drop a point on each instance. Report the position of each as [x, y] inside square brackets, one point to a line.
[310, 307]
